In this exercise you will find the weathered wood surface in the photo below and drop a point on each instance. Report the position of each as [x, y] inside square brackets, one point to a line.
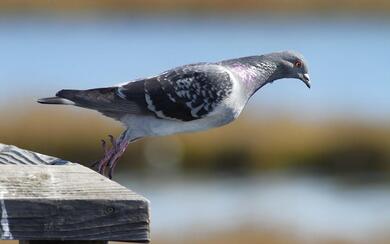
[62, 242]
[45, 198]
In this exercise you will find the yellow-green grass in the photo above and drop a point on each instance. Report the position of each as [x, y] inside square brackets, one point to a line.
[246, 145]
[199, 6]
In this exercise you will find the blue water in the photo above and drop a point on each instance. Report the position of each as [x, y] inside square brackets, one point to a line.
[308, 207]
[348, 58]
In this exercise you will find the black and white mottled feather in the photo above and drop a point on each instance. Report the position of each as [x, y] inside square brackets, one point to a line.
[183, 94]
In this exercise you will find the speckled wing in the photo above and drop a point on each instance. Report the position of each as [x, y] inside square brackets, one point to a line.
[186, 93]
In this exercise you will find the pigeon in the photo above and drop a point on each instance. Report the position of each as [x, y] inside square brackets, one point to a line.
[188, 98]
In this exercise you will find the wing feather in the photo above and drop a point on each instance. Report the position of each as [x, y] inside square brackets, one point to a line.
[186, 93]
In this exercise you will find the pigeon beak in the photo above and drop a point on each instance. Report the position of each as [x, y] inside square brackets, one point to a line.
[306, 79]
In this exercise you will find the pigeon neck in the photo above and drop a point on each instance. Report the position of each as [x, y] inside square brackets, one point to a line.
[255, 75]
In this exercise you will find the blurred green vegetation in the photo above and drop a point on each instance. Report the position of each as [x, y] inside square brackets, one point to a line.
[249, 235]
[197, 5]
[245, 146]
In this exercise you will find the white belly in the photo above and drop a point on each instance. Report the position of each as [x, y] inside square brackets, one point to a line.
[142, 126]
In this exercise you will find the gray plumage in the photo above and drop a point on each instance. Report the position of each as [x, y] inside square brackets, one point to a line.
[188, 92]
[187, 98]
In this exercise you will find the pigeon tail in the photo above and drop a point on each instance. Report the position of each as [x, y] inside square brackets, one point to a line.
[69, 94]
[55, 100]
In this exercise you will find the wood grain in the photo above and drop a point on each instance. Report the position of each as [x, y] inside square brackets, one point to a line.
[45, 198]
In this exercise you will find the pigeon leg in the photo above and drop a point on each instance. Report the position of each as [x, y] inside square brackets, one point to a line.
[105, 149]
[121, 148]
[111, 155]
[108, 154]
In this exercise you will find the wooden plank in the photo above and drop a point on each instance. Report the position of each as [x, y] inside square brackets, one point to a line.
[11, 155]
[62, 242]
[46, 198]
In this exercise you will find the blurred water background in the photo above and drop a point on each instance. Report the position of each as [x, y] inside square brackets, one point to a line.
[300, 166]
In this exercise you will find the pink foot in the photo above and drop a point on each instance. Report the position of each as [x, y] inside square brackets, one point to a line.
[111, 155]
[120, 150]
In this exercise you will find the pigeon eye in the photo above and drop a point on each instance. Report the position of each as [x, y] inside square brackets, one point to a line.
[298, 64]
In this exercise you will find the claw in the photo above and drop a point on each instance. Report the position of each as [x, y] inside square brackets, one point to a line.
[110, 172]
[105, 148]
[102, 165]
[112, 139]
[112, 164]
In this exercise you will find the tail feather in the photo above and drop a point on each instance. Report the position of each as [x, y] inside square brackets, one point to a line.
[55, 100]
[98, 99]
[105, 100]
[70, 94]
[92, 98]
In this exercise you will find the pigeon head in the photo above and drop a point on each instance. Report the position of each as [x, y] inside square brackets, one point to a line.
[290, 65]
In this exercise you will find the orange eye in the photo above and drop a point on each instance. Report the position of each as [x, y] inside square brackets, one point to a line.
[298, 64]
